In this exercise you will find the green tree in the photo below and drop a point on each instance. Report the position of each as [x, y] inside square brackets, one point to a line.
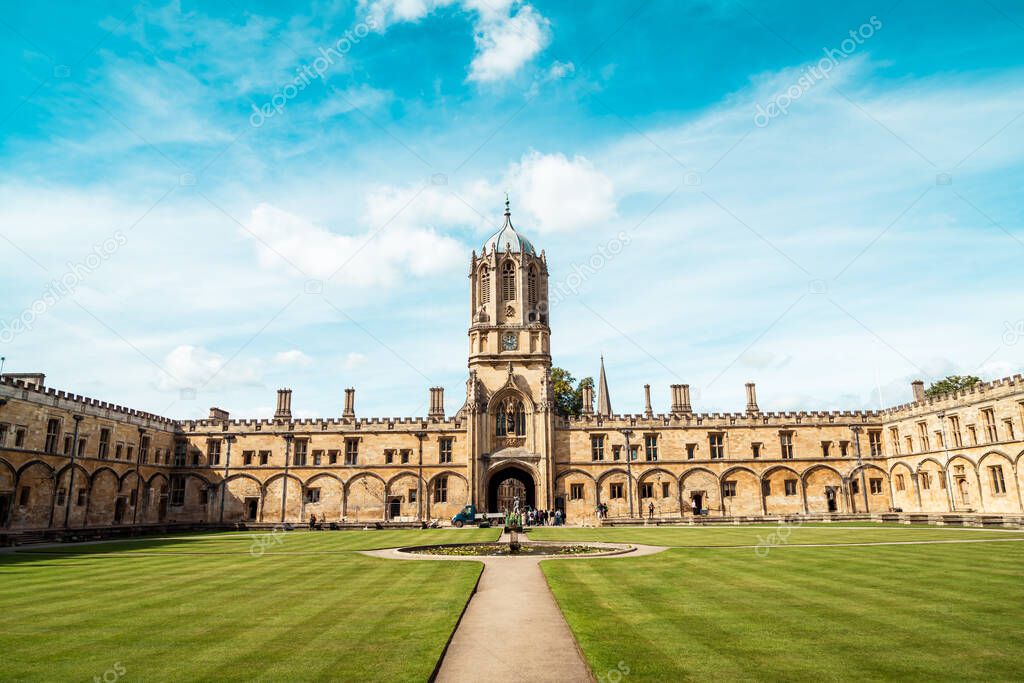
[568, 392]
[948, 385]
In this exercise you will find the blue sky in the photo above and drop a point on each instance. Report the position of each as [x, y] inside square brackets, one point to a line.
[202, 203]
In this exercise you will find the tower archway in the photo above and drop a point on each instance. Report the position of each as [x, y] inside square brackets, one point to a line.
[507, 484]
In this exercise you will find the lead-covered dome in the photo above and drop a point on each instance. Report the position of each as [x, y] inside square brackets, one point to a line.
[507, 239]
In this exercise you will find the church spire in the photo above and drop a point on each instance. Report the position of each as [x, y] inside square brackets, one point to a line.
[604, 403]
[508, 211]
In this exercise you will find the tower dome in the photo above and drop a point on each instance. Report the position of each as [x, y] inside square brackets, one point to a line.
[508, 239]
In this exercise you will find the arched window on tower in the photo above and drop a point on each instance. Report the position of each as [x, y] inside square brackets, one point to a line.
[485, 285]
[510, 419]
[508, 281]
[532, 286]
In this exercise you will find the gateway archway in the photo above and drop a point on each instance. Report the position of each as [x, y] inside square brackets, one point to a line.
[505, 485]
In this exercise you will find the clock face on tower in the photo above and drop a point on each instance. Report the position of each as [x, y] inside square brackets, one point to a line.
[510, 341]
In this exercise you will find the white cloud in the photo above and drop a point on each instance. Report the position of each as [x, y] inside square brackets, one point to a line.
[507, 34]
[192, 367]
[561, 194]
[378, 257]
[293, 357]
[354, 359]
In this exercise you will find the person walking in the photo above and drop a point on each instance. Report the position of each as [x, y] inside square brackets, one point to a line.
[693, 506]
[312, 522]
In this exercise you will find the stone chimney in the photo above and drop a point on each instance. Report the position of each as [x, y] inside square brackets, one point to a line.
[219, 413]
[681, 399]
[918, 387]
[284, 405]
[436, 403]
[350, 403]
[648, 411]
[588, 400]
[751, 398]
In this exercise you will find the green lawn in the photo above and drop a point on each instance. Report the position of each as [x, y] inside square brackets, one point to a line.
[306, 608]
[765, 535]
[914, 612]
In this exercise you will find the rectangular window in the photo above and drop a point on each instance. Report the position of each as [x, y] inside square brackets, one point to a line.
[634, 452]
[922, 436]
[716, 441]
[755, 450]
[406, 455]
[129, 450]
[651, 447]
[389, 456]
[876, 486]
[597, 447]
[844, 449]
[180, 447]
[647, 490]
[118, 450]
[900, 483]
[972, 434]
[62, 495]
[575, 491]
[925, 479]
[894, 440]
[177, 497]
[52, 435]
[786, 440]
[728, 489]
[954, 429]
[940, 439]
[615, 490]
[247, 457]
[144, 444]
[69, 441]
[104, 446]
[318, 457]
[332, 456]
[790, 487]
[998, 483]
[312, 495]
[691, 451]
[616, 452]
[441, 490]
[412, 495]
[989, 418]
[264, 457]
[81, 446]
[351, 451]
[301, 453]
[204, 497]
[825, 446]
[444, 450]
[664, 489]
[909, 440]
[1008, 424]
[213, 451]
[4, 428]
[24, 496]
[875, 443]
[80, 499]
[19, 437]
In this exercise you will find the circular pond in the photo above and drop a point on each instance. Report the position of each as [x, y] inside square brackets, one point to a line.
[524, 550]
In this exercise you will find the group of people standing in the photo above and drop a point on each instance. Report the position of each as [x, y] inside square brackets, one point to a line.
[544, 518]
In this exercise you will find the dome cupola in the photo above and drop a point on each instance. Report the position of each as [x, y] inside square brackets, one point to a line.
[507, 239]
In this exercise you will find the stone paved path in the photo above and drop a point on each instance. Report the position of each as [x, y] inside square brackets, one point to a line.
[512, 629]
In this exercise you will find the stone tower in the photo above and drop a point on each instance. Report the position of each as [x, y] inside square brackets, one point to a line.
[508, 394]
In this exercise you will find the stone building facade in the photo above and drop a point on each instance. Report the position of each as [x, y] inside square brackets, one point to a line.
[67, 461]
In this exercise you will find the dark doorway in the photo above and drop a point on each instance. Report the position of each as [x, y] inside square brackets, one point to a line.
[119, 506]
[394, 507]
[505, 485]
[698, 502]
[5, 508]
[162, 505]
[830, 497]
[252, 508]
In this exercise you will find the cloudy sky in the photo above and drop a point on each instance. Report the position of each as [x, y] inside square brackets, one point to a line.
[199, 205]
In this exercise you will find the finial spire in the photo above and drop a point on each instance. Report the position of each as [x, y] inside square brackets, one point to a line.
[508, 212]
